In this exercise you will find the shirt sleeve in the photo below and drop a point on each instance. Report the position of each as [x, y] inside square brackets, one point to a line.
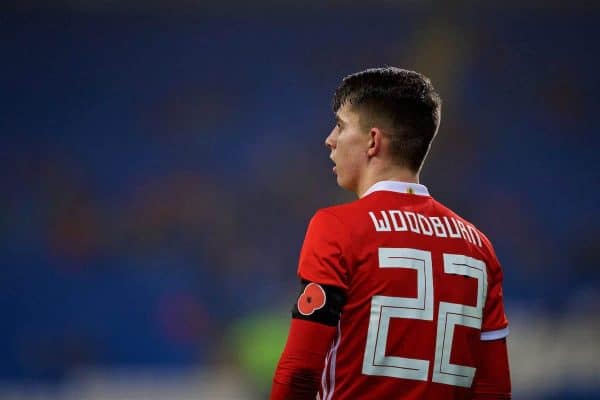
[298, 373]
[495, 322]
[325, 253]
[492, 379]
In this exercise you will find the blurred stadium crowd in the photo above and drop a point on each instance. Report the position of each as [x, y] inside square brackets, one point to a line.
[158, 170]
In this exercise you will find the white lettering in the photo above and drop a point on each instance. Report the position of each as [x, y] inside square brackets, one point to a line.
[403, 221]
[412, 223]
[452, 235]
[394, 215]
[474, 231]
[438, 227]
[381, 225]
[422, 221]
[465, 233]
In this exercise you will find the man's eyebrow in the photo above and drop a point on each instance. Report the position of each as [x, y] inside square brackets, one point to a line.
[338, 119]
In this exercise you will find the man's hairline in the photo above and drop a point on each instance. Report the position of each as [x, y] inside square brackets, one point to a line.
[361, 118]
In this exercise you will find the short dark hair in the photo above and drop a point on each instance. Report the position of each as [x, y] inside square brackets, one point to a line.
[403, 100]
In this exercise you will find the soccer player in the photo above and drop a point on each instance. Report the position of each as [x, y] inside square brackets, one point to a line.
[401, 298]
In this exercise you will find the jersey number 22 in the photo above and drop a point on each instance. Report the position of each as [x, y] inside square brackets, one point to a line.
[383, 308]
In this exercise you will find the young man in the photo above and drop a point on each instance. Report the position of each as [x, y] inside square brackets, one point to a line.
[401, 298]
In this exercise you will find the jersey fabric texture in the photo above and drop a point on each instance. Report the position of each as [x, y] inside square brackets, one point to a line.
[423, 289]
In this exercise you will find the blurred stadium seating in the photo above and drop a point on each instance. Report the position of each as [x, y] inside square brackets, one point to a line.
[160, 162]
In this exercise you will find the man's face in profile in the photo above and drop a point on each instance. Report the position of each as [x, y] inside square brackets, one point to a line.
[348, 143]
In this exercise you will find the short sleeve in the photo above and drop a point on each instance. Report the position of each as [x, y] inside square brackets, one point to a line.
[495, 322]
[324, 258]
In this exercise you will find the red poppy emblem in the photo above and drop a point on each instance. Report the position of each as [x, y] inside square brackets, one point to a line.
[313, 298]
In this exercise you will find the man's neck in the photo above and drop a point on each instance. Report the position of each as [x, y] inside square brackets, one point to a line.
[393, 174]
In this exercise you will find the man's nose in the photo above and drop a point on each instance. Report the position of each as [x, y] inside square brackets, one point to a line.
[329, 141]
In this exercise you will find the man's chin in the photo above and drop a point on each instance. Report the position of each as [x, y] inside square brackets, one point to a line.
[345, 185]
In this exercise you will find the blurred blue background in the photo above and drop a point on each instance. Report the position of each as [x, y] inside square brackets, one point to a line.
[160, 162]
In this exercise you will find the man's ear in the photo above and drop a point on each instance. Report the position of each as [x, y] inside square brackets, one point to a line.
[375, 141]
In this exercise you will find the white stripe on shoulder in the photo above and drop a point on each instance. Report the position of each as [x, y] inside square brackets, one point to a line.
[494, 335]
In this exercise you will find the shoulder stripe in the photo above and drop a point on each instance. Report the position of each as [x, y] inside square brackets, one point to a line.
[494, 335]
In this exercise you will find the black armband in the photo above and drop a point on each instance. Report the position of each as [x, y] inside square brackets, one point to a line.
[319, 303]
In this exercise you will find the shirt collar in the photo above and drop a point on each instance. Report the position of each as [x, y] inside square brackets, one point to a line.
[399, 187]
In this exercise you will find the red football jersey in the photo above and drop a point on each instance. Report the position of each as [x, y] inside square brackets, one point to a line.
[423, 288]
